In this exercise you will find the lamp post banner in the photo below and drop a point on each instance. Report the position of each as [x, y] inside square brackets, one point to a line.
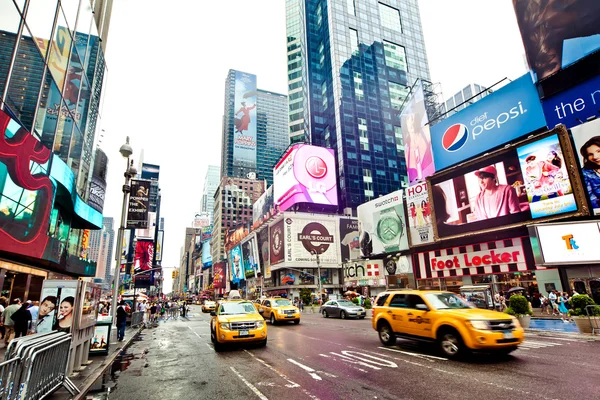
[139, 201]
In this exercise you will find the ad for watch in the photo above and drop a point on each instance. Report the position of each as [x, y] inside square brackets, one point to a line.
[305, 238]
[382, 225]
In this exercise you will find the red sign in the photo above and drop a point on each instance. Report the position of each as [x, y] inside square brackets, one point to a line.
[219, 275]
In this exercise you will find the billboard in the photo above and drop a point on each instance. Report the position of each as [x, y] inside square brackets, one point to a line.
[263, 207]
[308, 235]
[206, 233]
[144, 252]
[237, 264]
[206, 256]
[137, 213]
[219, 275]
[276, 240]
[382, 225]
[97, 193]
[574, 105]
[416, 137]
[201, 220]
[419, 214]
[159, 245]
[505, 115]
[244, 135]
[250, 259]
[263, 252]
[547, 183]
[557, 33]
[125, 241]
[569, 243]
[587, 143]
[349, 239]
[305, 174]
[150, 171]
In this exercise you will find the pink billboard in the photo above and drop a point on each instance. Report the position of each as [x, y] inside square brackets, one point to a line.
[305, 174]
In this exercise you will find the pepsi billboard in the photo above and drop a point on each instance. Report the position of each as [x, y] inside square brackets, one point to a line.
[573, 106]
[505, 115]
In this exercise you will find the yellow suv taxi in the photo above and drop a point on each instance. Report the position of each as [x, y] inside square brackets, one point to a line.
[209, 305]
[278, 309]
[237, 321]
[445, 319]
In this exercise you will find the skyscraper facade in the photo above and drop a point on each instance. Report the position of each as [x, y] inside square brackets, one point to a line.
[211, 183]
[464, 98]
[351, 65]
[255, 128]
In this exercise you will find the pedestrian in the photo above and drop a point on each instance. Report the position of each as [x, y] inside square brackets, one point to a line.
[3, 304]
[552, 296]
[562, 308]
[162, 311]
[121, 321]
[544, 304]
[301, 304]
[153, 310]
[21, 319]
[34, 308]
[142, 307]
[9, 324]
[183, 309]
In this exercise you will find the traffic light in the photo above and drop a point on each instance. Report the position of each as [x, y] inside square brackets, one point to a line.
[173, 274]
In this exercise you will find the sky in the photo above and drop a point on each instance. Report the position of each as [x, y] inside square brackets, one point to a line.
[166, 82]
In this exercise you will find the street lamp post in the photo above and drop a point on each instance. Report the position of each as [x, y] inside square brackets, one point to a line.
[126, 151]
[319, 274]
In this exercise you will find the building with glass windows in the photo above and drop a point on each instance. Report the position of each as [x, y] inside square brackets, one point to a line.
[254, 137]
[52, 71]
[351, 65]
[211, 183]
[464, 98]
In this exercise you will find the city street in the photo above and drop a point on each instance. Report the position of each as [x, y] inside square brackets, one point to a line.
[341, 359]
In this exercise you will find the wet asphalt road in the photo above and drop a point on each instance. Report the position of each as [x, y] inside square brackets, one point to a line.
[342, 359]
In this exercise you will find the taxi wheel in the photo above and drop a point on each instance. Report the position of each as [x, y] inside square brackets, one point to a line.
[325, 314]
[297, 321]
[451, 344]
[262, 343]
[386, 335]
[343, 315]
[273, 320]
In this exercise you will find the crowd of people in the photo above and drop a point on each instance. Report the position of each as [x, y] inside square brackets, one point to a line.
[154, 311]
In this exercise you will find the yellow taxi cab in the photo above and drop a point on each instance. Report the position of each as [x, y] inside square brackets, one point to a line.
[445, 319]
[208, 306]
[278, 309]
[237, 321]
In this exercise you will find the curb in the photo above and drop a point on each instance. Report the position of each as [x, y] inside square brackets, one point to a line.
[90, 380]
[545, 333]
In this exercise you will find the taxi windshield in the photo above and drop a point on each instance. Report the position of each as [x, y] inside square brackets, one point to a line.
[441, 301]
[279, 303]
[236, 308]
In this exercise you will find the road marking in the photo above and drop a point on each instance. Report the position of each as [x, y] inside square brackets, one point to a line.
[369, 359]
[194, 332]
[291, 384]
[354, 361]
[528, 344]
[310, 371]
[408, 353]
[251, 386]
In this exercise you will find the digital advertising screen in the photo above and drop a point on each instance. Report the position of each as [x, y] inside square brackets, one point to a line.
[587, 145]
[305, 174]
[244, 135]
[237, 264]
[419, 214]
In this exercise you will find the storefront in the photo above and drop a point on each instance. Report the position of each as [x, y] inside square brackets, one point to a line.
[501, 264]
[572, 248]
[21, 281]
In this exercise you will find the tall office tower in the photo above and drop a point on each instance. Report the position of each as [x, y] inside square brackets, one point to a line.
[108, 229]
[211, 183]
[254, 131]
[272, 137]
[351, 64]
[464, 98]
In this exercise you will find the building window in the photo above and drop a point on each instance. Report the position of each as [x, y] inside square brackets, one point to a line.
[395, 56]
[354, 40]
[358, 86]
[350, 5]
[390, 17]
[398, 94]
[399, 138]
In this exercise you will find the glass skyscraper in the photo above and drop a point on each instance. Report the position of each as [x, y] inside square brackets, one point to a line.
[211, 183]
[351, 64]
[271, 132]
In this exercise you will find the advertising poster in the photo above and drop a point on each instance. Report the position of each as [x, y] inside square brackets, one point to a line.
[480, 197]
[57, 306]
[557, 33]
[307, 236]
[206, 256]
[206, 233]
[416, 136]
[263, 252]
[237, 264]
[244, 134]
[150, 171]
[90, 297]
[126, 239]
[97, 194]
[219, 275]
[99, 342]
[305, 174]
[349, 239]
[547, 182]
[144, 252]
[159, 245]
[587, 145]
[276, 241]
[139, 200]
[249, 259]
[382, 225]
[574, 243]
[419, 214]
[263, 207]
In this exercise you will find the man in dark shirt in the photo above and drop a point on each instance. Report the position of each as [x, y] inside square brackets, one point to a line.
[153, 310]
[121, 321]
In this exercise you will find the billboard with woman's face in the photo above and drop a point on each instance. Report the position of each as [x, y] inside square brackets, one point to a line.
[587, 144]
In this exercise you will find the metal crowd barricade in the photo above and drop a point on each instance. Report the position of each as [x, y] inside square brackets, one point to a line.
[174, 312]
[594, 319]
[35, 366]
[137, 318]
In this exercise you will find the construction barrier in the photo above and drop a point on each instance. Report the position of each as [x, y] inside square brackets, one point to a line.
[137, 318]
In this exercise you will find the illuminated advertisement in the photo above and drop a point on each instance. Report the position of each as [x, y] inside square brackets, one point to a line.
[219, 275]
[382, 225]
[144, 252]
[349, 239]
[206, 256]
[276, 240]
[305, 174]
[263, 252]
[244, 135]
[58, 307]
[557, 33]
[263, 207]
[97, 194]
[126, 238]
[419, 214]
[570, 243]
[547, 182]
[206, 233]
[159, 245]
[150, 172]
[416, 136]
[307, 236]
[587, 144]
[137, 214]
[237, 264]
[249, 258]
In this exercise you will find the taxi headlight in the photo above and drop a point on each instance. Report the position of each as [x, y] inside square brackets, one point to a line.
[260, 324]
[281, 312]
[480, 325]
[224, 325]
[516, 323]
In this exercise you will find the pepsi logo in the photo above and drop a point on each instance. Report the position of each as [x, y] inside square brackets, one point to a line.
[455, 137]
